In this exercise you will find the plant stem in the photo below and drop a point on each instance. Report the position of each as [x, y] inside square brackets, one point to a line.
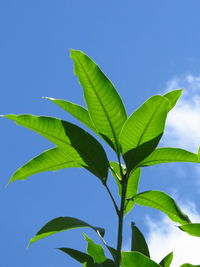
[120, 222]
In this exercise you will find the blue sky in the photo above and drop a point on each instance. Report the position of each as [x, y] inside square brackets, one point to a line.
[145, 48]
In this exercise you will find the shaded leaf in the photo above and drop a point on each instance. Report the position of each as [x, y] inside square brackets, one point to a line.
[132, 189]
[105, 106]
[136, 259]
[173, 97]
[167, 260]
[163, 202]
[107, 263]
[169, 154]
[79, 256]
[138, 242]
[80, 145]
[191, 229]
[95, 250]
[142, 131]
[50, 160]
[75, 110]
[61, 224]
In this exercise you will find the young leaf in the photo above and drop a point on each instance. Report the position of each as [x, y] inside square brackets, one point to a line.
[51, 160]
[104, 103]
[115, 167]
[95, 250]
[163, 202]
[169, 154]
[61, 224]
[79, 256]
[142, 131]
[173, 97]
[75, 110]
[136, 259]
[81, 146]
[132, 189]
[138, 242]
[191, 228]
[166, 261]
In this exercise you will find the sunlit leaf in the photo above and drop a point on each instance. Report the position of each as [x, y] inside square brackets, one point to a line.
[50, 160]
[61, 224]
[163, 202]
[115, 167]
[132, 189]
[189, 265]
[173, 97]
[169, 154]
[138, 242]
[79, 256]
[136, 259]
[95, 250]
[191, 228]
[166, 261]
[105, 106]
[142, 131]
[80, 145]
[75, 110]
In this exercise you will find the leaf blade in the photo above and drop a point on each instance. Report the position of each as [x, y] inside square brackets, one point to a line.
[169, 154]
[191, 228]
[62, 224]
[138, 242]
[104, 103]
[173, 97]
[51, 160]
[163, 202]
[167, 260]
[83, 147]
[136, 259]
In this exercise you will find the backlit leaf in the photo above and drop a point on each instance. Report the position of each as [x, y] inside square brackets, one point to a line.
[95, 250]
[173, 97]
[142, 131]
[81, 146]
[104, 104]
[191, 228]
[50, 160]
[169, 154]
[166, 261]
[163, 202]
[136, 259]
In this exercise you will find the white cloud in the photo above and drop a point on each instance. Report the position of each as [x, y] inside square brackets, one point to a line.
[164, 237]
[183, 123]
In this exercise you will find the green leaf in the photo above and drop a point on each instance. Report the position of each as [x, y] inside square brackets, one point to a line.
[79, 256]
[132, 189]
[166, 261]
[61, 224]
[163, 202]
[80, 145]
[105, 106]
[50, 160]
[107, 263]
[189, 265]
[115, 168]
[138, 242]
[136, 259]
[95, 250]
[75, 110]
[173, 97]
[191, 229]
[142, 131]
[169, 154]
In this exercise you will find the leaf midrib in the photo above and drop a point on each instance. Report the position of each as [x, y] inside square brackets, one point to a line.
[140, 139]
[107, 116]
[64, 142]
[169, 212]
